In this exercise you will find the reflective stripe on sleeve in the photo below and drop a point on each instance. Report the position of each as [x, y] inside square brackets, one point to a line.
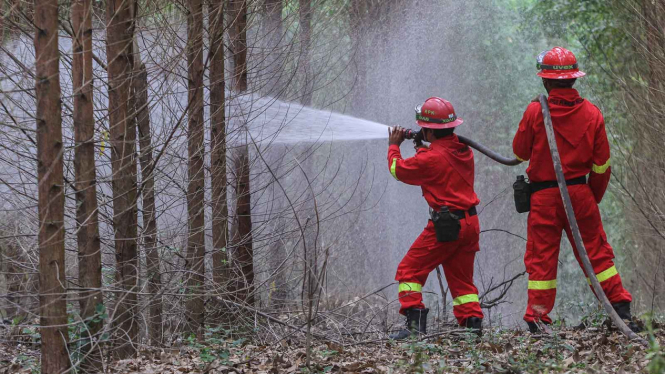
[519, 158]
[605, 274]
[392, 169]
[470, 298]
[601, 169]
[542, 285]
[410, 287]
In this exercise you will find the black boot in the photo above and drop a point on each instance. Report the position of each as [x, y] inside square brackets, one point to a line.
[539, 327]
[416, 323]
[475, 324]
[623, 310]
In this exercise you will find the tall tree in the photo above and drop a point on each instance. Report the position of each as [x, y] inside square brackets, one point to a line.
[196, 184]
[244, 256]
[238, 36]
[220, 209]
[119, 53]
[89, 252]
[305, 16]
[273, 34]
[154, 280]
[243, 243]
[51, 199]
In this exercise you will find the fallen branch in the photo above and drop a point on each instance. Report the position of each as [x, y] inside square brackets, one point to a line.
[506, 286]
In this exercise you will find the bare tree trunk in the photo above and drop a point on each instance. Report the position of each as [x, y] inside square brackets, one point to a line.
[89, 251]
[196, 185]
[220, 211]
[51, 200]
[243, 240]
[238, 35]
[140, 83]
[119, 52]
[273, 32]
[305, 14]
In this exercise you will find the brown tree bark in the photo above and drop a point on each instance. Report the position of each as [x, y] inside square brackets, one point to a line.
[51, 200]
[220, 211]
[195, 190]
[238, 36]
[119, 52]
[244, 255]
[244, 251]
[305, 17]
[273, 32]
[89, 252]
[154, 280]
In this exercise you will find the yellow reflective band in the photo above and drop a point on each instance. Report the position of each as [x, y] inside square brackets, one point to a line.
[602, 168]
[470, 298]
[519, 158]
[542, 285]
[605, 275]
[392, 168]
[410, 287]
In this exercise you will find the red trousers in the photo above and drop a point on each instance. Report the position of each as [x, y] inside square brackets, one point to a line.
[457, 259]
[547, 220]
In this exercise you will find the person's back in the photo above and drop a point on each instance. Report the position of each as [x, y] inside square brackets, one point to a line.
[584, 149]
[581, 139]
[445, 173]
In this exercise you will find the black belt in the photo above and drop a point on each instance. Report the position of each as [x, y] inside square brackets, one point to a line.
[459, 213]
[538, 186]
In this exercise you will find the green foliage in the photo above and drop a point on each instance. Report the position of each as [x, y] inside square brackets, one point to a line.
[214, 346]
[418, 356]
[29, 363]
[656, 353]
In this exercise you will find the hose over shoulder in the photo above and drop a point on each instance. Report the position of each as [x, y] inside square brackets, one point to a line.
[488, 152]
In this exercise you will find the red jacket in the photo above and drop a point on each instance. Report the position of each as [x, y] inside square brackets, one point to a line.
[580, 137]
[444, 171]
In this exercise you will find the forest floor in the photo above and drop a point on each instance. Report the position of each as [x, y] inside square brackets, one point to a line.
[594, 350]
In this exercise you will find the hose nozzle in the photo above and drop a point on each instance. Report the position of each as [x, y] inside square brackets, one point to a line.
[416, 136]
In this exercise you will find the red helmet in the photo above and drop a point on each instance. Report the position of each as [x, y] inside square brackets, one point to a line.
[558, 63]
[437, 113]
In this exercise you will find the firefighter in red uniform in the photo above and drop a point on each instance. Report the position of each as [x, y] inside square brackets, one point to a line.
[584, 149]
[445, 172]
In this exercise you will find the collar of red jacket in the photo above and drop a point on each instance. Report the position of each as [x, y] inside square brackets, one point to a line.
[565, 106]
[446, 141]
[564, 97]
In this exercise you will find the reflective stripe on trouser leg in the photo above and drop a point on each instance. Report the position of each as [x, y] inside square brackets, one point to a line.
[410, 296]
[542, 284]
[464, 299]
[605, 274]
[610, 281]
[542, 294]
[410, 287]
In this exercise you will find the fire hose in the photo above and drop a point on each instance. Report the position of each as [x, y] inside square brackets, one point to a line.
[488, 152]
[567, 204]
[417, 139]
[570, 214]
